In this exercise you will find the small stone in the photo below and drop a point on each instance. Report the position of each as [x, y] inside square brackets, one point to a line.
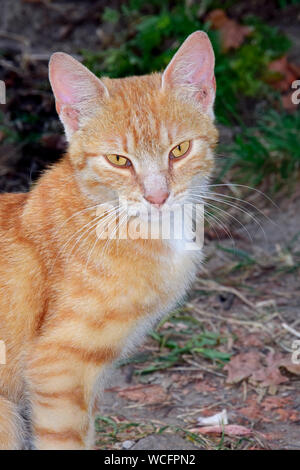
[127, 444]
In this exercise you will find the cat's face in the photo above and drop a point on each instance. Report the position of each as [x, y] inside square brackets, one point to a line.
[146, 141]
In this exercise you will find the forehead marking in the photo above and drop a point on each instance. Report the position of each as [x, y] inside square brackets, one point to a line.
[164, 135]
[130, 142]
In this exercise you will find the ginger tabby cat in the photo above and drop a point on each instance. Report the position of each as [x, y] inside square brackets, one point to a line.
[67, 314]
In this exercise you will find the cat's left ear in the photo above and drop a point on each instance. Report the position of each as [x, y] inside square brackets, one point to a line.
[77, 91]
[191, 72]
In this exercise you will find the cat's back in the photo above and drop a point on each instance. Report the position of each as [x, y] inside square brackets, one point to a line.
[20, 273]
[11, 206]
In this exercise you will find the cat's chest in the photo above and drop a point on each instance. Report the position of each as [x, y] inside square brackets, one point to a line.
[159, 284]
[160, 291]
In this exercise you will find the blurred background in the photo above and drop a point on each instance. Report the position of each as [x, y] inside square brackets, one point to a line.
[229, 346]
[257, 59]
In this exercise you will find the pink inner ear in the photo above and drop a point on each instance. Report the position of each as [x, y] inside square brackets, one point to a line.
[193, 64]
[75, 88]
[62, 85]
[71, 117]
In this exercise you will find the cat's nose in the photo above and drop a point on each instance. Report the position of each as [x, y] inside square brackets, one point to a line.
[157, 198]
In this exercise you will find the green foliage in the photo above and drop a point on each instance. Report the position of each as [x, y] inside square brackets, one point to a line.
[271, 149]
[151, 33]
[110, 15]
[175, 342]
[286, 3]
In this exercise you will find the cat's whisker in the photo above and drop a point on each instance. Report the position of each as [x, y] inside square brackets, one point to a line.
[76, 214]
[205, 197]
[232, 185]
[239, 200]
[99, 219]
[217, 220]
[98, 237]
[86, 226]
[241, 209]
[208, 216]
[230, 215]
[122, 213]
[221, 225]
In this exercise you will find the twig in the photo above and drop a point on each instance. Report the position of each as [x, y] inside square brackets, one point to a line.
[240, 322]
[213, 286]
[291, 330]
[14, 37]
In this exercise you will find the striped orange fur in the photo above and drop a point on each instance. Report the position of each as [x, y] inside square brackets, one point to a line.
[71, 303]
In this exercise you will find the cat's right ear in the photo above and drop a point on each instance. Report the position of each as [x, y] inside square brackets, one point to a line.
[76, 90]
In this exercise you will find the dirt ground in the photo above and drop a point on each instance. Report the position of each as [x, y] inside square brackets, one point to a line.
[253, 325]
[244, 306]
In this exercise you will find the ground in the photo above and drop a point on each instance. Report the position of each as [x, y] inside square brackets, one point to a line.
[229, 346]
[247, 297]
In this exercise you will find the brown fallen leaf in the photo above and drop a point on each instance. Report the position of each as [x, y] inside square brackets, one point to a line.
[251, 411]
[267, 376]
[287, 102]
[242, 366]
[228, 430]
[280, 75]
[232, 33]
[282, 407]
[272, 403]
[288, 415]
[283, 74]
[146, 394]
[260, 369]
[286, 363]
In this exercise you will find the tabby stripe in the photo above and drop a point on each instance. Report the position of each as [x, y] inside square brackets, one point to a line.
[99, 356]
[76, 396]
[65, 435]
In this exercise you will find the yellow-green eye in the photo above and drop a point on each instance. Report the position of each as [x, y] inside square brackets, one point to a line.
[118, 160]
[180, 150]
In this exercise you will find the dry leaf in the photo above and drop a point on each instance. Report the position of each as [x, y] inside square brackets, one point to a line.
[272, 403]
[228, 430]
[284, 76]
[287, 102]
[286, 363]
[232, 33]
[260, 369]
[267, 376]
[242, 366]
[251, 411]
[146, 394]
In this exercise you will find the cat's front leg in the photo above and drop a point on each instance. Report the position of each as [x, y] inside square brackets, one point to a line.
[61, 389]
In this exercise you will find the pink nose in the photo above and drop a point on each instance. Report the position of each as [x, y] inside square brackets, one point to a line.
[157, 198]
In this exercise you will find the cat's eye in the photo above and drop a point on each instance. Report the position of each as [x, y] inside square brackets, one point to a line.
[118, 160]
[180, 150]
